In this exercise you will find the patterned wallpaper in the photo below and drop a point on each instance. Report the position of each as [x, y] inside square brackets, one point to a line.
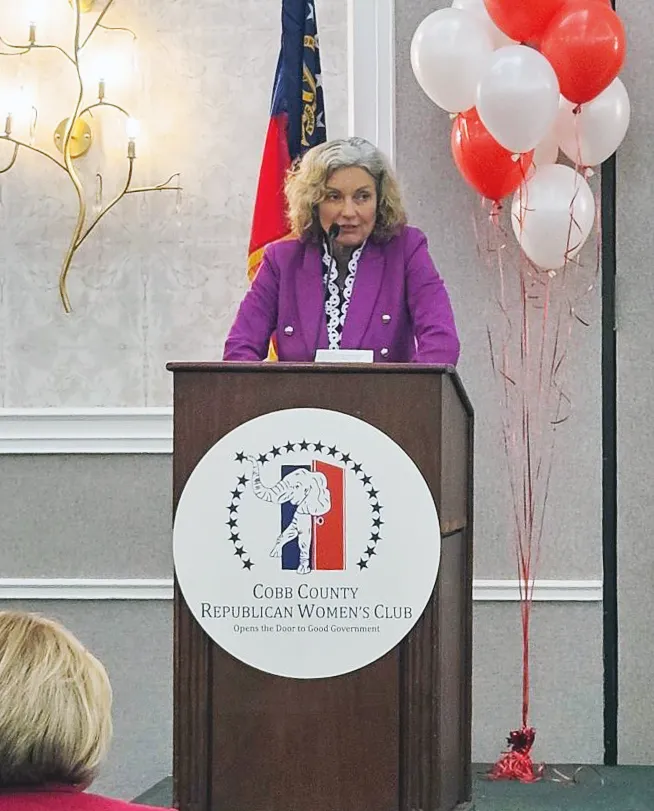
[156, 281]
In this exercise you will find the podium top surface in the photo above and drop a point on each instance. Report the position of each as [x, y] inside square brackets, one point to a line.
[264, 366]
[277, 367]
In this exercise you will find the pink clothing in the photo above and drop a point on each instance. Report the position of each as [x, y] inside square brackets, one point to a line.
[399, 306]
[64, 798]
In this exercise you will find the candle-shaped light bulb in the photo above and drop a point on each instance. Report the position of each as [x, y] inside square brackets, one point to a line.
[10, 105]
[99, 188]
[34, 117]
[133, 129]
[102, 69]
[36, 13]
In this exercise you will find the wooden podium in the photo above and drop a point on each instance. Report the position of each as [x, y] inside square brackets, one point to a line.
[393, 736]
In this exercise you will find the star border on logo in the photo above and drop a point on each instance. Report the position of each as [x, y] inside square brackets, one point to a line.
[331, 453]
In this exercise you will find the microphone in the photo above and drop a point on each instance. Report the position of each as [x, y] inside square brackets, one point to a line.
[332, 233]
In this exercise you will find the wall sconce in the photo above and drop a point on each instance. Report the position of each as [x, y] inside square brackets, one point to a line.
[73, 137]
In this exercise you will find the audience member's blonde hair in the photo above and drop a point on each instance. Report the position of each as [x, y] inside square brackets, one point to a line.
[306, 186]
[55, 704]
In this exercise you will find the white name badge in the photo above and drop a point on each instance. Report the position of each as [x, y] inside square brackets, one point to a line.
[344, 356]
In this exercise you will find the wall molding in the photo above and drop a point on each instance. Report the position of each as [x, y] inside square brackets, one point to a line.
[371, 72]
[37, 588]
[79, 588]
[566, 591]
[86, 430]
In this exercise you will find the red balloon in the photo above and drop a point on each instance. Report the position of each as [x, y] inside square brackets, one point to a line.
[586, 45]
[522, 20]
[486, 165]
[535, 41]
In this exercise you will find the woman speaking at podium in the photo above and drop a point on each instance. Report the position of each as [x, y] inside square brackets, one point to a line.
[354, 276]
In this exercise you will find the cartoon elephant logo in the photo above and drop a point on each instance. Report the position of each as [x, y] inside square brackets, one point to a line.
[308, 492]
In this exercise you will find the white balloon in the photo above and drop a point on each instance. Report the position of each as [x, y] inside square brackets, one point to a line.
[478, 8]
[552, 215]
[547, 150]
[448, 54]
[518, 97]
[597, 130]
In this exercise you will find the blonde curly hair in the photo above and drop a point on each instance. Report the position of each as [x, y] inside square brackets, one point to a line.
[306, 186]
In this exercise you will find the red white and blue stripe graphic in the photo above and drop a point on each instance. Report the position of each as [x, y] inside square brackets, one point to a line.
[328, 531]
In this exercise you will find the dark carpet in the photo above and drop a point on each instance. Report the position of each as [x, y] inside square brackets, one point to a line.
[564, 788]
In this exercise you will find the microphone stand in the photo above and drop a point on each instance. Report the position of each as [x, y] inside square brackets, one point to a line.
[332, 234]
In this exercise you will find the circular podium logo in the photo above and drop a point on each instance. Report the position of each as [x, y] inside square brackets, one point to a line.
[306, 543]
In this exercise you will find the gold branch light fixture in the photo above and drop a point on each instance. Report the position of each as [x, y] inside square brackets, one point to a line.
[73, 136]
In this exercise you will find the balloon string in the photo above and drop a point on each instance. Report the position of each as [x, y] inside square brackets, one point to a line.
[529, 364]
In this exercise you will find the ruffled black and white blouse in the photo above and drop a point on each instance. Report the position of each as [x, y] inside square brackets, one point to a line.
[337, 301]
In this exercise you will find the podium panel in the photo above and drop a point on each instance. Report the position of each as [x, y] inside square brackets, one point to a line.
[392, 736]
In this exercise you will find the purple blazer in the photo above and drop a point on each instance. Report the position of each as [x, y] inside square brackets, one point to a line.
[399, 306]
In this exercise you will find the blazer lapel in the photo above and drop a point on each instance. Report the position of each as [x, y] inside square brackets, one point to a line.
[311, 299]
[367, 284]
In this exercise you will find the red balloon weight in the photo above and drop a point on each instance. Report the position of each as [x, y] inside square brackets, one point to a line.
[586, 45]
[522, 20]
[486, 165]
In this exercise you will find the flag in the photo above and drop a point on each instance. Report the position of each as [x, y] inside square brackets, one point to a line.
[297, 122]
